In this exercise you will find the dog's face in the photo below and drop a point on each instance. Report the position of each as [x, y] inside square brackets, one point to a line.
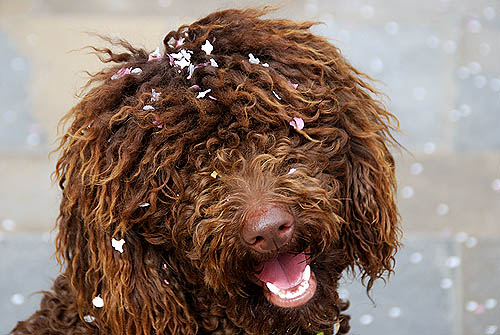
[245, 169]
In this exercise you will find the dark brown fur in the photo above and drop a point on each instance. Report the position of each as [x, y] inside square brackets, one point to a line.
[114, 157]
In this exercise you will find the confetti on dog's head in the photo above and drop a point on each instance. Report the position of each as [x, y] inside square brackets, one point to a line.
[248, 166]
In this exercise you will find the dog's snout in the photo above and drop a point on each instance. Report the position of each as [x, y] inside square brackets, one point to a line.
[269, 230]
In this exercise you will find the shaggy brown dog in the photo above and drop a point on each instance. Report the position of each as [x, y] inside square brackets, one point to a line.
[221, 187]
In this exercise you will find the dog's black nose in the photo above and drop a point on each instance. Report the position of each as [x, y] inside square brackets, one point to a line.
[269, 230]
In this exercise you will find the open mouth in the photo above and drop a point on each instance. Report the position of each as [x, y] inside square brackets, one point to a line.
[288, 280]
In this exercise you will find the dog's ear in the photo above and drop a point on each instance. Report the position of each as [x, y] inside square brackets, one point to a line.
[371, 230]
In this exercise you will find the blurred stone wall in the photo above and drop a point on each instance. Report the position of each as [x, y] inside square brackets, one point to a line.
[438, 63]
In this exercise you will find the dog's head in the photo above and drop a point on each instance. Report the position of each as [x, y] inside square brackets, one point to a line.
[244, 168]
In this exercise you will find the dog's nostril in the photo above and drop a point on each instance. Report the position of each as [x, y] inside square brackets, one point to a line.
[258, 239]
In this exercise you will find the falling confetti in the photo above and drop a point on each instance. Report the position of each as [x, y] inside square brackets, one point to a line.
[17, 299]
[442, 209]
[471, 306]
[366, 319]
[292, 170]
[148, 108]
[490, 303]
[395, 312]
[495, 185]
[446, 283]
[453, 262]
[429, 148]
[416, 168]
[8, 224]
[416, 257]
[491, 329]
[471, 242]
[146, 204]
[213, 174]
[407, 192]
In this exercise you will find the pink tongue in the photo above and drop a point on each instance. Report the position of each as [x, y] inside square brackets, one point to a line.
[285, 271]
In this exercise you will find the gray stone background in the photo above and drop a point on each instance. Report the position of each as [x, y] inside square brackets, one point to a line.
[438, 62]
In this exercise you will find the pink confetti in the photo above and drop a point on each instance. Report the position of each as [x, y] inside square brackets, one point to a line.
[166, 281]
[155, 55]
[179, 42]
[292, 85]
[159, 125]
[195, 87]
[297, 123]
[122, 72]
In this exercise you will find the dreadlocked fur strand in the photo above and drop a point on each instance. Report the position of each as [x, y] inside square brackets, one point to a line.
[184, 269]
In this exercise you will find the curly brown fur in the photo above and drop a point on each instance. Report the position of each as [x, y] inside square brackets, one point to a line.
[184, 269]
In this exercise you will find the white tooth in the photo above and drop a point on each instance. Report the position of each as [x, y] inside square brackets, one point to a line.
[273, 288]
[301, 290]
[282, 294]
[306, 285]
[307, 273]
[289, 295]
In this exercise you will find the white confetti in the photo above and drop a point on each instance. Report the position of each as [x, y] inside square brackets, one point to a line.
[475, 67]
[89, 318]
[98, 302]
[366, 319]
[484, 49]
[495, 185]
[395, 312]
[148, 108]
[292, 170]
[276, 95]
[17, 299]
[213, 62]
[118, 244]
[442, 209]
[416, 168]
[202, 94]
[429, 148]
[446, 283]
[207, 47]
[407, 192]
[471, 306]
[490, 303]
[453, 261]
[252, 59]
[489, 13]
[471, 242]
[8, 224]
[146, 204]
[265, 65]
[137, 70]
[416, 257]
[491, 329]
[155, 96]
